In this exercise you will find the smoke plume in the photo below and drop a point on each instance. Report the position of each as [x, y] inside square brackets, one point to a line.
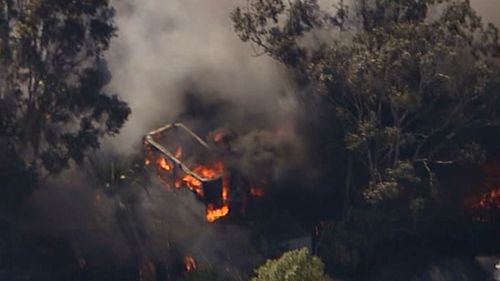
[166, 50]
[176, 60]
[179, 60]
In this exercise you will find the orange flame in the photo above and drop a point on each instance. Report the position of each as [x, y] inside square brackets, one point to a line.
[193, 184]
[164, 164]
[487, 202]
[213, 213]
[210, 171]
[225, 188]
[189, 263]
[490, 199]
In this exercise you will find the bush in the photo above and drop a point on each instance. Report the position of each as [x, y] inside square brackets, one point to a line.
[296, 265]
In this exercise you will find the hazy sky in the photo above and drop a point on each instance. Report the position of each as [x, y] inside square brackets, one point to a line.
[488, 9]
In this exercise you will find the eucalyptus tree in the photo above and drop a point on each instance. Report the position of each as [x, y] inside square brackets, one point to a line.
[53, 106]
[407, 81]
[53, 74]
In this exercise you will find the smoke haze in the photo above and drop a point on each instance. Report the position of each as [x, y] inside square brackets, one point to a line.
[169, 53]
[166, 49]
[488, 9]
[173, 60]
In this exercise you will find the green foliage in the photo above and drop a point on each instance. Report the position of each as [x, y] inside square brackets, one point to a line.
[296, 265]
[260, 25]
[53, 108]
[401, 176]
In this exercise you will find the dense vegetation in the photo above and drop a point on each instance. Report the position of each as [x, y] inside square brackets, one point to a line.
[53, 108]
[397, 93]
[296, 265]
[409, 88]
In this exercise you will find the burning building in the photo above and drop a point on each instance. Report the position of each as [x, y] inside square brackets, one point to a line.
[182, 159]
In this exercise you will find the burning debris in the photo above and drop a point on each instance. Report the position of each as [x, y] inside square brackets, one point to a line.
[489, 200]
[486, 205]
[183, 159]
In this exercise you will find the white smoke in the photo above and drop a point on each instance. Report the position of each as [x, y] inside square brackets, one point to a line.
[164, 47]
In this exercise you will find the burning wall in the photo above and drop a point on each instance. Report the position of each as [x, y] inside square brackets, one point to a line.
[192, 164]
[196, 165]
